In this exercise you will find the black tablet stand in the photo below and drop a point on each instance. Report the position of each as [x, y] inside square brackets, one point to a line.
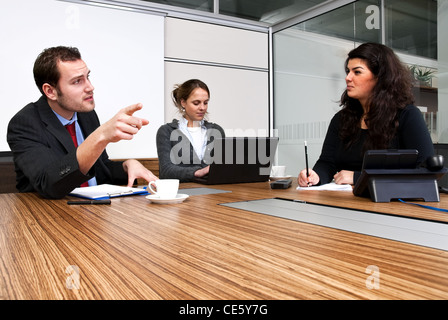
[383, 185]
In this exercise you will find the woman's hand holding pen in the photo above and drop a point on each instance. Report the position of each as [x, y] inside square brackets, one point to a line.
[305, 181]
[342, 177]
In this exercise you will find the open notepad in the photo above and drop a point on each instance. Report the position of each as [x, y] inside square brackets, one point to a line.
[106, 191]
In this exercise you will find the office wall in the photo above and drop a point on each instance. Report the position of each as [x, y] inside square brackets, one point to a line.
[232, 62]
[123, 49]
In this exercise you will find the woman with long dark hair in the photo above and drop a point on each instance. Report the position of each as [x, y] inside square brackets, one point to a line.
[377, 113]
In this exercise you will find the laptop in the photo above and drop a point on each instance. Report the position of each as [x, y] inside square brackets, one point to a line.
[240, 160]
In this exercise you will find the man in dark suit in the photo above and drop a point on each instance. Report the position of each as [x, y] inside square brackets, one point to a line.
[45, 156]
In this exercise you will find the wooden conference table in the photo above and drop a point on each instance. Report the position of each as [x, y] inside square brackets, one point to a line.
[200, 249]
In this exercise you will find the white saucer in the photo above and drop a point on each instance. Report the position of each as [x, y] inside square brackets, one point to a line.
[279, 178]
[178, 199]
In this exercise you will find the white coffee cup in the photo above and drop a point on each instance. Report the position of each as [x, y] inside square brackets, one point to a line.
[165, 188]
[278, 171]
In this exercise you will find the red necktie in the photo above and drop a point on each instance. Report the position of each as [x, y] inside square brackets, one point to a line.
[71, 129]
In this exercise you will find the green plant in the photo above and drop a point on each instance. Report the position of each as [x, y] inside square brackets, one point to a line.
[424, 76]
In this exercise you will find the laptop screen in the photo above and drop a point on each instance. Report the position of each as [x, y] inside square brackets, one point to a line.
[241, 159]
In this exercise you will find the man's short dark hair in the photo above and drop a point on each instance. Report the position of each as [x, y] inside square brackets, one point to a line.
[46, 65]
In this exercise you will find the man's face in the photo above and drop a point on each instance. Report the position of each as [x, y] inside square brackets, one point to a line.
[74, 90]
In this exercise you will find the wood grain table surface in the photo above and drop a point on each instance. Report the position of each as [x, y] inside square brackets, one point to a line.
[199, 249]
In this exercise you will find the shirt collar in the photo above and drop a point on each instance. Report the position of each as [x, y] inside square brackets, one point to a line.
[65, 121]
[183, 123]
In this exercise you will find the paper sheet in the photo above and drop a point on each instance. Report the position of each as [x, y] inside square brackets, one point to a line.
[329, 186]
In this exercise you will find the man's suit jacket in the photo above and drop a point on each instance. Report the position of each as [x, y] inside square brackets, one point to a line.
[45, 156]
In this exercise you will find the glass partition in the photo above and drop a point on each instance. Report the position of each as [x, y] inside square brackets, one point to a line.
[359, 21]
[309, 76]
[441, 76]
[419, 36]
[268, 11]
[201, 5]
[265, 11]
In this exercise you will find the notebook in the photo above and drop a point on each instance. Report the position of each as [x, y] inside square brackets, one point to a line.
[105, 191]
[241, 159]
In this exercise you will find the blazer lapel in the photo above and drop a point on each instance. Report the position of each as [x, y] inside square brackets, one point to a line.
[54, 126]
[88, 121]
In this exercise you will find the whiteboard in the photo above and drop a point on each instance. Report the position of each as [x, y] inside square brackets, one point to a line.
[123, 49]
[239, 100]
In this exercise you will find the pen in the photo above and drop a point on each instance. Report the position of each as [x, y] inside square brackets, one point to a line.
[89, 202]
[306, 161]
